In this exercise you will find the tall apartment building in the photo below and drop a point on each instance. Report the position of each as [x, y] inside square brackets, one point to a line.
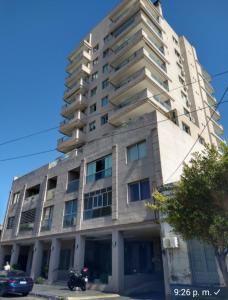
[129, 118]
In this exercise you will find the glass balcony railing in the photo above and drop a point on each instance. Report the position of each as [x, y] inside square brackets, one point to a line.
[69, 220]
[26, 226]
[73, 186]
[99, 175]
[46, 225]
[153, 27]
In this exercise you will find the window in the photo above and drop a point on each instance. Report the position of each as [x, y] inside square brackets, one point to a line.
[94, 76]
[93, 91]
[104, 101]
[47, 218]
[104, 119]
[92, 126]
[105, 83]
[70, 213]
[95, 61]
[92, 108]
[96, 48]
[105, 68]
[106, 38]
[177, 53]
[98, 203]
[123, 27]
[139, 190]
[10, 223]
[202, 140]
[184, 97]
[99, 169]
[181, 80]
[73, 180]
[32, 192]
[137, 151]
[15, 198]
[187, 113]
[27, 219]
[175, 40]
[105, 53]
[186, 128]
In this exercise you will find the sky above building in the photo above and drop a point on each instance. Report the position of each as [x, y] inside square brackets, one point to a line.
[35, 39]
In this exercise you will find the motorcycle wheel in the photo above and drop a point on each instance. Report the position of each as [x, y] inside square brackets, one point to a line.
[71, 286]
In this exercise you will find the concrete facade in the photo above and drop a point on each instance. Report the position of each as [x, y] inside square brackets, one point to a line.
[136, 60]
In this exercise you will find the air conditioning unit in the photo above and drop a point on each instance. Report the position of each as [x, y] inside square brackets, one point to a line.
[170, 242]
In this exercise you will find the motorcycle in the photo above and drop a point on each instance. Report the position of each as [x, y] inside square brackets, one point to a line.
[78, 279]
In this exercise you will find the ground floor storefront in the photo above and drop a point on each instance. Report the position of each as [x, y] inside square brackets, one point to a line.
[128, 259]
[117, 259]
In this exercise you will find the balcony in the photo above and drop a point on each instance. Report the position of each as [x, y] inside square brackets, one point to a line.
[32, 198]
[46, 225]
[81, 87]
[26, 227]
[81, 71]
[73, 186]
[78, 121]
[135, 83]
[81, 52]
[139, 105]
[99, 175]
[208, 87]
[211, 100]
[218, 128]
[66, 144]
[127, 9]
[139, 59]
[205, 74]
[50, 195]
[214, 113]
[132, 26]
[79, 102]
[218, 138]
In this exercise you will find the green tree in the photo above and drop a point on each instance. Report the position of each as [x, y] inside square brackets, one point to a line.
[197, 207]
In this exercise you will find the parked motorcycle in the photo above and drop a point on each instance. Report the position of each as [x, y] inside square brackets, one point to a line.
[78, 279]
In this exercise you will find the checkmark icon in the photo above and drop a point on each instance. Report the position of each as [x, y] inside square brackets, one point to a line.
[216, 293]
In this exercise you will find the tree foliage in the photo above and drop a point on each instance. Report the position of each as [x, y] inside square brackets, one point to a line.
[198, 205]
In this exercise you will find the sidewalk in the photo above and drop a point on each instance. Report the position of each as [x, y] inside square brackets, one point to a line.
[54, 292]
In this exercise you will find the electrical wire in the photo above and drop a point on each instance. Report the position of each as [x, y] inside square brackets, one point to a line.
[106, 111]
[112, 134]
[200, 135]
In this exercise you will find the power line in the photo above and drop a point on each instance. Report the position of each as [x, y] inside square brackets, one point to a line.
[27, 155]
[112, 134]
[94, 115]
[226, 90]
[28, 136]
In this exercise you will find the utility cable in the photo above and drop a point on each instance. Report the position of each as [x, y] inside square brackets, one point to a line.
[94, 115]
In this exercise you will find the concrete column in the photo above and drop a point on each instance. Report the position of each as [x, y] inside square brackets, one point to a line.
[165, 262]
[80, 204]
[115, 182]
[54, 260]
[2, 255]
[117, 283]
[79, 252]
[18, 211]
[36, 260]
[40, 205]
[14, 254]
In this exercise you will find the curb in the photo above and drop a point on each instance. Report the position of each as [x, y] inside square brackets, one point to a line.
[94, 297]
[50, 297]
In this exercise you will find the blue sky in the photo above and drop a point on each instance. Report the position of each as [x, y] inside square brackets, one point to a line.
[35, 39]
